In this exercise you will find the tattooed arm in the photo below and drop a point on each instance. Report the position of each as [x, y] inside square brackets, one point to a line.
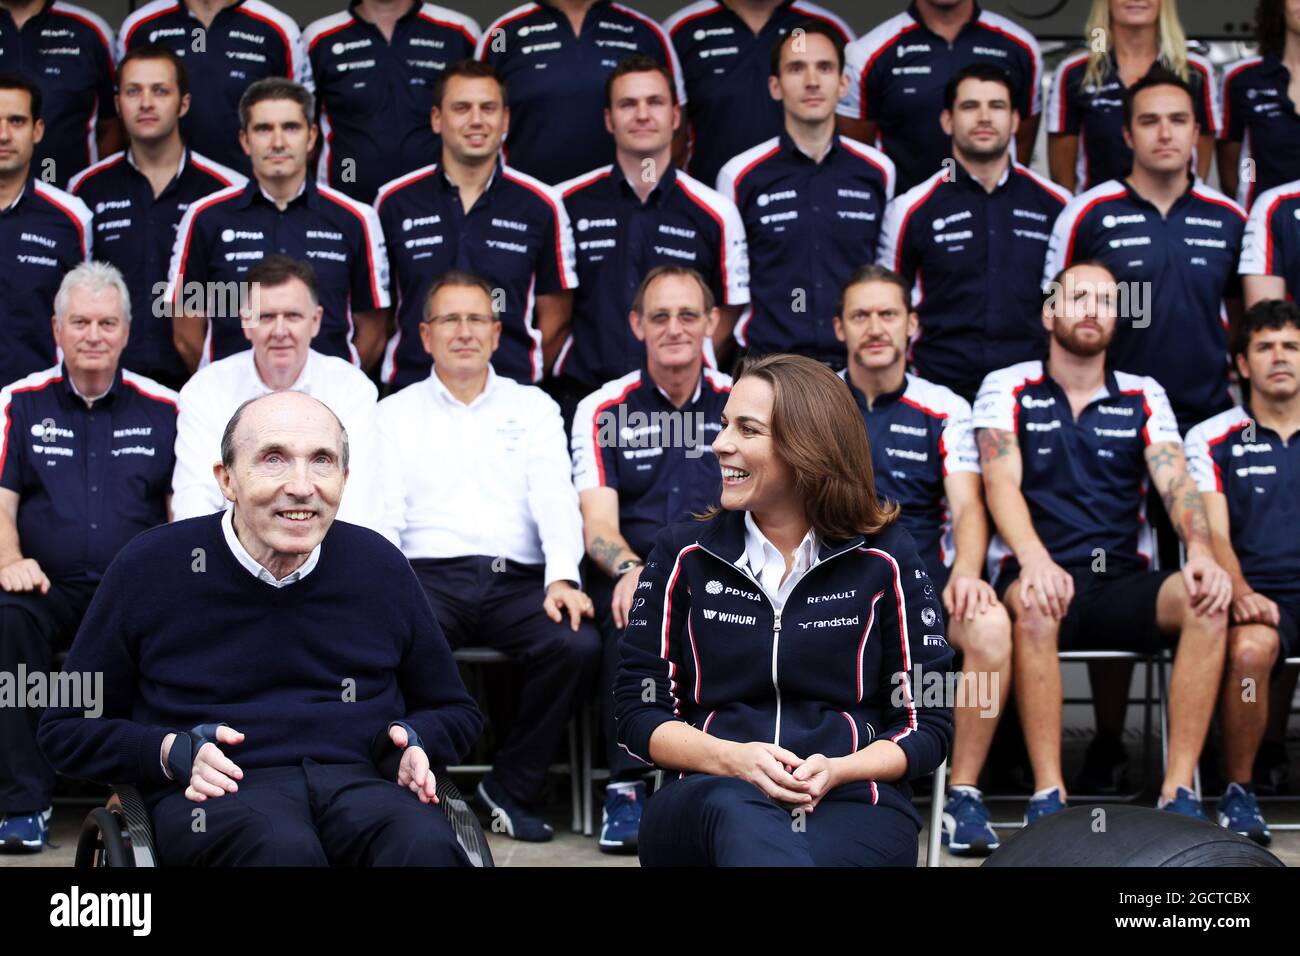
[1208, 584]
[605, 545]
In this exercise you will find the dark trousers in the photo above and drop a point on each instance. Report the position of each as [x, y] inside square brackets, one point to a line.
[706, 820]
[33, 626]
[502, 609]
[622, 765]
[310, 815]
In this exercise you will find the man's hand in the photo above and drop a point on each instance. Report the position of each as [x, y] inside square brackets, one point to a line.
[1046, 584]
[24, 575]
[965, 596]
[213, 774]
[1254, 608]
[562, 596]
[413, 772]
[1208, 585]
[769, 767]
[624, 591]
[820, 774]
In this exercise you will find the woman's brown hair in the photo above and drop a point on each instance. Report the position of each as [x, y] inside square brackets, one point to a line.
[818, 431]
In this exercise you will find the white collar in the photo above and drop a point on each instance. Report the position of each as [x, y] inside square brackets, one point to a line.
[251, 565]
[301, 384]
[91, 399]
[759, 550]
[441, 390]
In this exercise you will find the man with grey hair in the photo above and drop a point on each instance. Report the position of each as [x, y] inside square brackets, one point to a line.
[281, 210]
[85, 465]
[328, 696]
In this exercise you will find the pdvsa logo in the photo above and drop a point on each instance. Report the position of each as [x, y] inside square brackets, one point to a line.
[713, 587]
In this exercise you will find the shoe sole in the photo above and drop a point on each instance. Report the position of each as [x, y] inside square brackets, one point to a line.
[1262, 837]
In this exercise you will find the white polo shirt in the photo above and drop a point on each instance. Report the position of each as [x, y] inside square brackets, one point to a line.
[211, 396]
[491, 478]
[767, 564]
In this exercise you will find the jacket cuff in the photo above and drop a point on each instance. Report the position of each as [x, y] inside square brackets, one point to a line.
[386, 755]
[634, 733]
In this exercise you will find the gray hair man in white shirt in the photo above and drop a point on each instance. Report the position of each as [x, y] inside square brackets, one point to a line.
[478, 494]
[280, 321]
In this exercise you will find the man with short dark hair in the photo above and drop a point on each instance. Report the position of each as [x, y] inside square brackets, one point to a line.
[812, 202]
[282, 210]
[44, 232]
[471, 211]
[969, 240]
[634, 215]
[1245, 463]
[140, 195]
[85, 465]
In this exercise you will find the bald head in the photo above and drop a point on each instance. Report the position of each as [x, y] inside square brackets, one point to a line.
[231, 437]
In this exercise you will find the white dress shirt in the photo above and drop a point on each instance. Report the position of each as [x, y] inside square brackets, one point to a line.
[253, 567]
[211, 396]
[767, 564]
[490, 478]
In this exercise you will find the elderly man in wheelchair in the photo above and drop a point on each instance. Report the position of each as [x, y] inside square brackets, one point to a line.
[276, 688]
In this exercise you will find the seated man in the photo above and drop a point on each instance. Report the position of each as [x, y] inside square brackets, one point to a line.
[642, 460]
[1245, 462]
[1066, 447]
[284, 316]
[85, 465]
[478, 492]
[923, 453]
[275, 669]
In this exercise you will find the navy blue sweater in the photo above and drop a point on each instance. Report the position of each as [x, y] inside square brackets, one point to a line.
[820, 677]
[313, 670]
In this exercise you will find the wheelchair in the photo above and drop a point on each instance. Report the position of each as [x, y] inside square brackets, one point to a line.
[119, 833]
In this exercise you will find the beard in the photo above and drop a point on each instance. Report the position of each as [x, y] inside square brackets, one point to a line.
[972, 153]
[1075, 344]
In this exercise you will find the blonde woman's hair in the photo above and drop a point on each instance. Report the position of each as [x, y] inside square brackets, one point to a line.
[1171, 39]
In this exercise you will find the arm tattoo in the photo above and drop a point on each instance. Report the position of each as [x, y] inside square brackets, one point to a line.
[995, 443]
[605, 553]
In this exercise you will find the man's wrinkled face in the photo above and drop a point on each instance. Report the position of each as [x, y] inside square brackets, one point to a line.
[19, 133]
[149, 100]
[876, 325]
[278, 138]
[287, 475]
[94, 332]
[472, 119]
[1272, 363]
[459, 330]
[675, 323]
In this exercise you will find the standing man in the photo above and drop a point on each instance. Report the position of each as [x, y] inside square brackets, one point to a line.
[68, 52]
[479, 493]
[1066, 448]
[44, 232]
[640, 213]
[281, 211]
[85, 465]
[725, 48]
[1172, 243]
[924, 458]
[635, 480]
[556, 58]
[969, 240]
[471, 211]
[228, 45]
[1245, 462]
[812, 202]
[141, 194]
[1270, 249]
[898, 74]
[287, 318]
[375, 65]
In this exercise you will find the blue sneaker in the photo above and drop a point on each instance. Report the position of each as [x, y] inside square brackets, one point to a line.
[508, 815]
[621, 818]
[25, 834]
[1184, 802]
[966, 829]
[1044, 804]
[1239, 812]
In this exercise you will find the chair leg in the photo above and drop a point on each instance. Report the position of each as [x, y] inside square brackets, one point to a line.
[936, 815]
[575, 774]
[586, 730]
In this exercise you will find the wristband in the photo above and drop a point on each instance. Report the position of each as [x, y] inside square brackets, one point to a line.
[186, 746]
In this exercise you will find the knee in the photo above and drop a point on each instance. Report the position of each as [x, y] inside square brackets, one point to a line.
[263, 841]
[1252, 650]
[425, 839]
[986, 641]
[18, 629]
[1035, 630]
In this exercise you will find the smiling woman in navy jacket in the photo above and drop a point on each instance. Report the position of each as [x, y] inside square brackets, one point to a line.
[776, 652]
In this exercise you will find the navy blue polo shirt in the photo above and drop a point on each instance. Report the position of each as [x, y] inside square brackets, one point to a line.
[974, 260]
[726, 67]
[42, 235]
[223, 235]
[1174, 274]
[247, 41]
[1258, 472]
[88, 479]
[1095, 114]
[376, 96]
[1258, 114]
[1084, 480]
[897, 73]
[919, 435]
[516, 235]
[809, 224]
[136, 231]
[556, 81]
[68, 51]
[1271, 246]
[619, 239]
[628, 436]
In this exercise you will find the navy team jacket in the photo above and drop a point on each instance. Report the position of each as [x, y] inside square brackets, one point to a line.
[704, 645]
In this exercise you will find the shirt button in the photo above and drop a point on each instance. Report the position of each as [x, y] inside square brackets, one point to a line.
[94, 488]
[92, 454]
[94, 526]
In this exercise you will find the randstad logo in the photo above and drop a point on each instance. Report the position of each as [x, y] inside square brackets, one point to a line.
[833, 622]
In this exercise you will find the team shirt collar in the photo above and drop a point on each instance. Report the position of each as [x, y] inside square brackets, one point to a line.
[71, 388]
[915, 14]
[883, 400]
[791, 148]
[22, 194]
[180, 168]
[657, 195]
[256, 570]
[253, 191]
[492, 179]
[648, 382]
